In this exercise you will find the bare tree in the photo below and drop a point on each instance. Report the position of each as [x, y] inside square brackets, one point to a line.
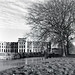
[53, 19]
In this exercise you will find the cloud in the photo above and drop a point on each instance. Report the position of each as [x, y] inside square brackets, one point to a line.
[12, 19]
[11, 15]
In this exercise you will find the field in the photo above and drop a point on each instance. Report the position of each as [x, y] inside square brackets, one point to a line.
[50, 66]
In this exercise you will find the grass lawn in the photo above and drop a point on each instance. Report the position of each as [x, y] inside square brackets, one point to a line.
[50, 66]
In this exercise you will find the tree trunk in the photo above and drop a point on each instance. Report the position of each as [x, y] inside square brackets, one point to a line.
[67, 50]
[64, 53]
[63, 48]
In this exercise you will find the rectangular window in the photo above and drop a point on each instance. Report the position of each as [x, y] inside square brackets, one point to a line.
[2, 50]
[27, 50]
[2, 43]
[24, 50]
[24, 46]
[19, 50]
[19, 47]
[8, 50]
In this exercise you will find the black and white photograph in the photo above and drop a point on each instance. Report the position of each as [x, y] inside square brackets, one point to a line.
[37, 37]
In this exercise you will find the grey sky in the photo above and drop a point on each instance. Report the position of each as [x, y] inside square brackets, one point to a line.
[12, 22]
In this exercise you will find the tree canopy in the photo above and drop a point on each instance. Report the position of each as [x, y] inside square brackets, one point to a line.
[53, 19]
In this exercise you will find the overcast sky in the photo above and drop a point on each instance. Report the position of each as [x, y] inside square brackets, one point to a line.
[12, 22]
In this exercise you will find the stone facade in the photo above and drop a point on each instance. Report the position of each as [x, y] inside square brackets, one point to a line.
[30, 45]
[14, 47]
[8, 47]
[21, 45]
[2, 47]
